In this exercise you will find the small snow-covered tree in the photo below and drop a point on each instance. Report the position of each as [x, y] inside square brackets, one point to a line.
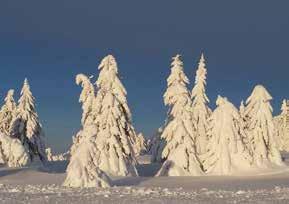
[282, 127]
[179, 134]
[141, 147]
[48, 154]
[26, 125]
[87, 98]
[7, 112]
[226, 153]
[116, 137]
[156, 146]
[12, 152]
[201, 111]
[260, 128]
[83, 170]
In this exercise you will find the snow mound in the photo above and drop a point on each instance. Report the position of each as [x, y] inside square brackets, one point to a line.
[83, 170]
[14, 154]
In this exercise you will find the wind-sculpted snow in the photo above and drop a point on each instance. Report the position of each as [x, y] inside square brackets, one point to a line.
[36, 194]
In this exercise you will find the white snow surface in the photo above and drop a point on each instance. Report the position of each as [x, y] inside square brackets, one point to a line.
[38, 185]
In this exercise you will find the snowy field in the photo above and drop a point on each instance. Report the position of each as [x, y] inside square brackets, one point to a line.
[32, 185]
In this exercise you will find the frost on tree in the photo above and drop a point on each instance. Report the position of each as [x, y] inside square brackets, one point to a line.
[141, 147]
[87, 98]
[179, 134]
[83, 170]
[226, 152]
[26, 125]
[116, 137]
[201, 111]
[281, 123]
[261, 129]
[12, 152]
[7, 112]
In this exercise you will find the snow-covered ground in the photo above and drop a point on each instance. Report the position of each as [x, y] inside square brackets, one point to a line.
[37, 185]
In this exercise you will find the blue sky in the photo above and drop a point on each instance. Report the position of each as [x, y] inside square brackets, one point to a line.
[49, 42]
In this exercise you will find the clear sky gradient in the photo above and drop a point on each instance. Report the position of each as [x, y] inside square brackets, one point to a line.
[49, 42]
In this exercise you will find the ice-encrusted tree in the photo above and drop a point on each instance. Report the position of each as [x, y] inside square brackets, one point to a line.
[260, 128]
[7, 112]
[116, 137]
[226, 152]
[87, 98]
[179, 133]
[83, 170]
[201, 111]
[26, 125]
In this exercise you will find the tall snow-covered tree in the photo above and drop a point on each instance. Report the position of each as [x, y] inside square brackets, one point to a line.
[87, 98]
[226, 153]
[7, 112]
[116, 137]
[26, 125]
[201, 111]
[179, 134]
[260, 128]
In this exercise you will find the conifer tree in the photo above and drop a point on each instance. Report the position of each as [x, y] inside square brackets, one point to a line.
[226, 152]
[260, 128]
[7, 112]
[200, 108]
[179, 134]
[116, 136]
[26, 125]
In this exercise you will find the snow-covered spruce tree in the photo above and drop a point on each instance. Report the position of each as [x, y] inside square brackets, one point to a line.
[26, 126]
[12, 152]
[260, 127]
[226, 153]
[87, 98]
[179, 134]
[116, 137]
[83, 170]
[7, 112]
[201, 111]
